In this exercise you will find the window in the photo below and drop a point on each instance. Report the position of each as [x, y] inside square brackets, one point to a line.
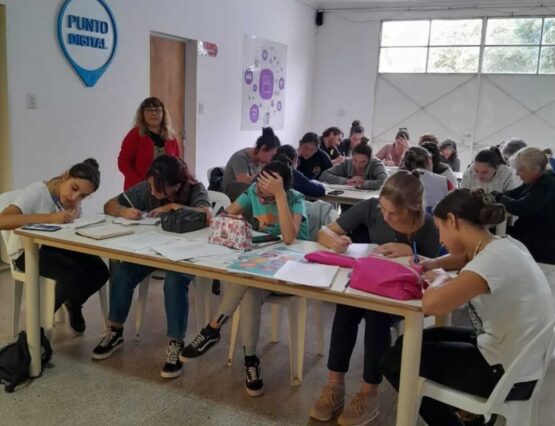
[440, 45]
[511, 45]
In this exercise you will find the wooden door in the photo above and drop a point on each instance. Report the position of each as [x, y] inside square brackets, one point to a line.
[167, 82]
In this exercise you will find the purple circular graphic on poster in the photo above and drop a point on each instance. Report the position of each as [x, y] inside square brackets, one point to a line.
[248, 76]
[264, 54]
[281, 83]
[254, 113]
[279, 106]
[266, 82]
[254, 87]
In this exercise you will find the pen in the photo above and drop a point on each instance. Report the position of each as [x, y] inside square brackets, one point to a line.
[415, 258]
[128, 200]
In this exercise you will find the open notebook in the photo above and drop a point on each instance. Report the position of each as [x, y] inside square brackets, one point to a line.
[102, 232]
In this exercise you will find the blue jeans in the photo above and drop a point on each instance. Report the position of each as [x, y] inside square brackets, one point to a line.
[176, 296]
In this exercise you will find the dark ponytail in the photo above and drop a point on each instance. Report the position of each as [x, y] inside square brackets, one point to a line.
[88, 170]
[286, 153]
[268, 140]
[356, 127]
[416, 157]
[474, 206]
[491, 156]
[438, 166]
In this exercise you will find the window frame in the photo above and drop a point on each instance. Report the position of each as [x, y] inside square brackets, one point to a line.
[482, 46]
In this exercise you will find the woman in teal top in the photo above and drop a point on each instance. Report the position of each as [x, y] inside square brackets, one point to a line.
[277, 209]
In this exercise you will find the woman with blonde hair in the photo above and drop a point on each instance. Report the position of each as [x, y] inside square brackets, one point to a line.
[396, 221]
[150, 137]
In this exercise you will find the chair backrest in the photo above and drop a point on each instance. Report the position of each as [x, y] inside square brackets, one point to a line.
[545, 340]
[320, 213]
[219, 201]
[5, 199]
[215, 177]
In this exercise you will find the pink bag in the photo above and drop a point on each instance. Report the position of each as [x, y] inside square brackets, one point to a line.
[230, 231]
[376, 274]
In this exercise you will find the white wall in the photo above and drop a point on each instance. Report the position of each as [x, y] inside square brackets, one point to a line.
[347, 80]
[73, 122]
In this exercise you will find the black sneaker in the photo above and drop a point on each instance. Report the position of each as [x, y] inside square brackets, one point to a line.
[207, 338]
[76, 320]
[109, 344]
[254, 384]
[173, 366]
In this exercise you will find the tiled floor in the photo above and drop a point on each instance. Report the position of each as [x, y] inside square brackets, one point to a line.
[127, 388]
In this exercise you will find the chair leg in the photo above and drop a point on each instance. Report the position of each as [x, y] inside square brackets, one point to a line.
[233, 338]
[141, 307]
[201, 288]
[17, 293]
[317, 308]
[103, 296]
[297, 329]
[277, 316]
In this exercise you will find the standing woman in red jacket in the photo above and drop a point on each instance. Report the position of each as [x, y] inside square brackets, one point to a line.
[151, 137]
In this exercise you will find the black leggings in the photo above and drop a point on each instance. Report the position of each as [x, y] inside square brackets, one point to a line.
[377, 339]
[77, 275]
[449, 357]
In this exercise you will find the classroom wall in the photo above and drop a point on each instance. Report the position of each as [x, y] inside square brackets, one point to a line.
[475, 112]
[72, 122]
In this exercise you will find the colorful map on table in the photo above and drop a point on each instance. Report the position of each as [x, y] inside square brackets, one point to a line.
[265, 263]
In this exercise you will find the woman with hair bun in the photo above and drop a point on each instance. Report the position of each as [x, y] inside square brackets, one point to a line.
[151, 136]
[509, 302]
[534, 204]
[58, 200]
[355, 138]
[244, 165]
[396, 222]
[490, 172]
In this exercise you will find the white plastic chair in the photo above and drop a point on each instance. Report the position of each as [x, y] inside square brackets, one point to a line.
[200, 287]
[516, 413]
[297, 308]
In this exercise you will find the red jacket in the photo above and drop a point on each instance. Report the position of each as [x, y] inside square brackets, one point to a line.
[137, 154]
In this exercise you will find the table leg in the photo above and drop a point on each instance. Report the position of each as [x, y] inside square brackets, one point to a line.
[410, 369]
[32, 304]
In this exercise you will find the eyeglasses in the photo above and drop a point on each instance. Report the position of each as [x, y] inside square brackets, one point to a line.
[154, 110]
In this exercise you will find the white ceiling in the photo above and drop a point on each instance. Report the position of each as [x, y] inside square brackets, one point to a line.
[384, 4]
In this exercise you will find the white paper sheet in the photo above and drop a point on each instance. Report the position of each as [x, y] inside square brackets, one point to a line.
[358, 250]
[143, 241]
[84, 221]
[310, 274]
[183, 249]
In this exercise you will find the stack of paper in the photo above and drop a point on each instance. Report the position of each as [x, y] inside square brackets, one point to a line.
[187, 249]
[102, 232]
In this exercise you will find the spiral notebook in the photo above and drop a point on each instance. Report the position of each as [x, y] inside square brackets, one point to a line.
[102, 232]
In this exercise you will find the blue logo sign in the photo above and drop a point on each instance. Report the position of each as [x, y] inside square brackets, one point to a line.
[88, 37]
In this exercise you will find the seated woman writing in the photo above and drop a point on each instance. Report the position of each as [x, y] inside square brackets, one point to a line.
[509, 302]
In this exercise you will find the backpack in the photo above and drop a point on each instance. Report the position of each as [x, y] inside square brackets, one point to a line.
[15, 360]
[215, 179]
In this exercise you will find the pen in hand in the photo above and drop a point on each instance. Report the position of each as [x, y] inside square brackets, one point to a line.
[415, 258]
[129, 201]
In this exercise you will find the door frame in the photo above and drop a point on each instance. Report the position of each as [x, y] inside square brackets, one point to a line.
[190, 107]
[5, 150]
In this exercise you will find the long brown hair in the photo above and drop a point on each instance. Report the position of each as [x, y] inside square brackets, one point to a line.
[166, 130]
[405, 190]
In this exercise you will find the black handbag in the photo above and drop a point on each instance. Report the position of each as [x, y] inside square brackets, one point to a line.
[15, 360]
[183, 220]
